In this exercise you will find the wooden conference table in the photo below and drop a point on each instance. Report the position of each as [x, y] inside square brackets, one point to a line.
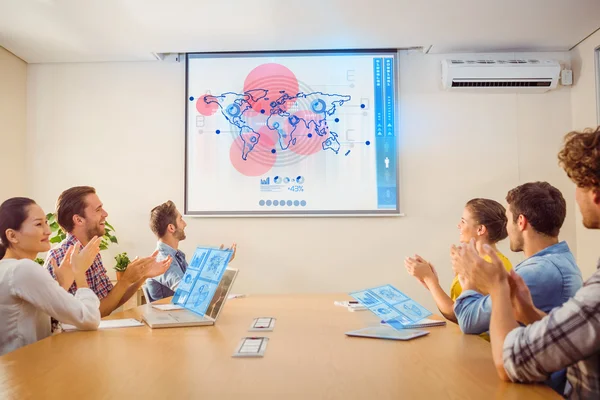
[308, 357]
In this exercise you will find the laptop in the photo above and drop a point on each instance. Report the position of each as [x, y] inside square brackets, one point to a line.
[182, 318]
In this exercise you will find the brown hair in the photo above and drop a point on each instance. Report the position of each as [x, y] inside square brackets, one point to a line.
[161, 216]
[13, 212]
[580, 157]
[71, 202]
[541, 203]
[492, 215]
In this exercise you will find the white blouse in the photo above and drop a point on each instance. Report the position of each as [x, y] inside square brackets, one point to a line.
[29, 297]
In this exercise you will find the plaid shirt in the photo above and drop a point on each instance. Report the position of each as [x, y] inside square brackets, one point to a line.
[96, 276]
[568, 337]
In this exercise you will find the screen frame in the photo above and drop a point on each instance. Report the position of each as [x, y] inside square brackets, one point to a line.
[292, 213]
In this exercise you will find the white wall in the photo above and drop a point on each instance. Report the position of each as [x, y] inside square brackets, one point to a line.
[13, 107]
[120, 128]
[584, 103]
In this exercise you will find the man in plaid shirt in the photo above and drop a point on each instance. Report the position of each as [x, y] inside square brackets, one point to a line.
[80, 213]
[568, 336]
[96, 275]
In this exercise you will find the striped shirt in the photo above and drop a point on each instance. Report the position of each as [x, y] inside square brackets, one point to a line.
[568, 337]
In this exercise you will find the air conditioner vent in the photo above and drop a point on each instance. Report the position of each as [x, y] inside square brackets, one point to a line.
[507, 74]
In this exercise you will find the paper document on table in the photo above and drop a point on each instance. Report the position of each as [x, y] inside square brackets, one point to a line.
[109, 324]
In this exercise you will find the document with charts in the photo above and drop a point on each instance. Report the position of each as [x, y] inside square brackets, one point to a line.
[200, 282]
[392, 306]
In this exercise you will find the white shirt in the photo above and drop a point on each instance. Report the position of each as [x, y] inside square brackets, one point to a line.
[29, 297]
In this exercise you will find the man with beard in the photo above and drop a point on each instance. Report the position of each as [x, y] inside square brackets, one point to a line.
[81, 214]
[168, 225]
[535, 213]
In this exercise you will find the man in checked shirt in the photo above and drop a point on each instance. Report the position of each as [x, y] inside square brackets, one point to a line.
[81, 214]
[567, 337]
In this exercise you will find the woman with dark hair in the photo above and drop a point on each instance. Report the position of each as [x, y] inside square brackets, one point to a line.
[28, 294]
[484, 221]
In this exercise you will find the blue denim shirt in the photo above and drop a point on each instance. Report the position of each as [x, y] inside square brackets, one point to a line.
[551, 275]
[164, 285]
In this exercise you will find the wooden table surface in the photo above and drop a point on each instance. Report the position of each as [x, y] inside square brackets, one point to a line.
[308, 357]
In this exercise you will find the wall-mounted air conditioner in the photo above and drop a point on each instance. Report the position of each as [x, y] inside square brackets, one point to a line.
[526, 75]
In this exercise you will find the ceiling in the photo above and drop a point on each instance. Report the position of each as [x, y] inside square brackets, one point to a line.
[42, 31]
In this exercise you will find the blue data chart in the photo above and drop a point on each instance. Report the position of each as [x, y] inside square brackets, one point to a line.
[392, 306]
[200, 282]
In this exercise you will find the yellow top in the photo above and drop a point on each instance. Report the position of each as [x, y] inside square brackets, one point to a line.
[456, 289]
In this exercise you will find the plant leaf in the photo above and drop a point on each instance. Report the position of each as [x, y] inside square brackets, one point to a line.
[55, 239]
[109, 225]
[113, 239]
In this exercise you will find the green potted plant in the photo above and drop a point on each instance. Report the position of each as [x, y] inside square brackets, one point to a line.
[122, 263]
